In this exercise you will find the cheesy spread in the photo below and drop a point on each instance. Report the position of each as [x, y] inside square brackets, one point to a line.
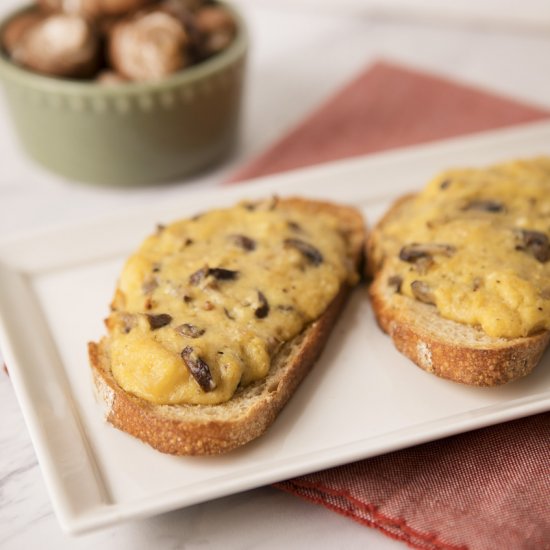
[475, 244]
[205, 303]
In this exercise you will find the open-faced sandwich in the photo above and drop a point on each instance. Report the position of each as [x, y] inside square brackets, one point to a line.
[462, 272]
[217, 318]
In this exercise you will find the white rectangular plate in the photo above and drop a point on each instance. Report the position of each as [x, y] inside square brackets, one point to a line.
[361, 399]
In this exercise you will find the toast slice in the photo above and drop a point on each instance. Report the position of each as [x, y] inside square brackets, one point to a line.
[446, 348]
[206, 429]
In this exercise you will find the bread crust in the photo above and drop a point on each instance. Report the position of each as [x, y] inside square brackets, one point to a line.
[448, 349]
[213, 429]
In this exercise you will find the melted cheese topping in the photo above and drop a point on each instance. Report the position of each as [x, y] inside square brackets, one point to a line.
[205, 303]
[491, 264]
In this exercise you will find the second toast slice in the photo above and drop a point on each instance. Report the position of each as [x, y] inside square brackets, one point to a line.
[417, 272]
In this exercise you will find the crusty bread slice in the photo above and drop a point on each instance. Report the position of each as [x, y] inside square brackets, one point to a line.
[443, 347]
[213, 429]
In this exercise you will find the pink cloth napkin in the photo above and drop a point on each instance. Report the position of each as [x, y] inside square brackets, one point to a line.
[387, 106]
[486, 489]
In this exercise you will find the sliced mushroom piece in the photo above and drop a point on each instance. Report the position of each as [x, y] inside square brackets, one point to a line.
[485, 205]
[415, 251]
[535, 243]
[395, 282]
[423, 292]
[149, 285]
[189, 330]
[262, 310]
[129, 321]
[196, 277]
[159, 320]
[307, 250]
[198, 368]
[228, 314]
[222, 274]
[294, 226]
[244, 242]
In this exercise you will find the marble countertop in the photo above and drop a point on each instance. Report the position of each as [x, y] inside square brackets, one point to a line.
[302, 52]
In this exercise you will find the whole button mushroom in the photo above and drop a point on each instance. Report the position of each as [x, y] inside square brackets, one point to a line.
[59, 45]
[181, 7]
[110, 78]
[17, 27]
[149, 46]
[184, 11]
[93, 8]
[216, 27]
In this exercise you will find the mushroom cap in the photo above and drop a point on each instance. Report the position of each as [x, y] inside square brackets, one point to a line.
[149, 46]
[58, 45]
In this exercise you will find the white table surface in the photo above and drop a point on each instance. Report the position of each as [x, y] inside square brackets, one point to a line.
[302, 52]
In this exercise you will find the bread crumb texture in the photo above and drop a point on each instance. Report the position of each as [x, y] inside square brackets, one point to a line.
[424, 355]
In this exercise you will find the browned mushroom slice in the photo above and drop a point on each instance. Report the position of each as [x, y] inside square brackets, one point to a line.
[228, 314]
[422, 292]
[198, 369]
[307, 250]
[534, 243]
[222, 274]
[244, 242]
[159, 320]
[295, 226]
[149, 285]
[415, 251]
[262, 310]
[129, 321]
[395, 282]
[189, 330]
[196, 277]
[485, 205]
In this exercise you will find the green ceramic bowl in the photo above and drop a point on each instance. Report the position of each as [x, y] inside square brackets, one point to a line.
[130, 134]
